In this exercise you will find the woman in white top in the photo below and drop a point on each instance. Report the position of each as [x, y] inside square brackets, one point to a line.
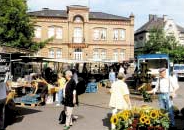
[119, 99]
[121, 69]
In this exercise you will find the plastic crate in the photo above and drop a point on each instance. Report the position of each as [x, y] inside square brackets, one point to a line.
[91, 87]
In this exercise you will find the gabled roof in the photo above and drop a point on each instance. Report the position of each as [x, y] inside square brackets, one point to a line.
[181, 29]
[49, 13]
[105, 16]
[154, 23]
[63, 14]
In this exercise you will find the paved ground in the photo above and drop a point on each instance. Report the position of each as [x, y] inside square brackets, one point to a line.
[93, 113]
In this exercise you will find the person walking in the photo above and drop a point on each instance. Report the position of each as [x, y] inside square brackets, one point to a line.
[112, 76]
[70, 98]
[61, 82]
[119, 99]
[165, 88]
[121, 69]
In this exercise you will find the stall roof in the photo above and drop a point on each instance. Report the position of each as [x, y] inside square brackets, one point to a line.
[65, 60]
[32, 58]
[79, 61]
[153, 56]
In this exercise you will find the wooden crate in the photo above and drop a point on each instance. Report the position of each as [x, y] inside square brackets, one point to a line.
[51, 90]
[24, 104]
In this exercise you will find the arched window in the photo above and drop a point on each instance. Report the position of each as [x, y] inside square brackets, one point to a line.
[78, 19]
[78, 50]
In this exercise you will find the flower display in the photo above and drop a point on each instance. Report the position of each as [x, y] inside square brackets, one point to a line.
[143, 90]
[141, 118]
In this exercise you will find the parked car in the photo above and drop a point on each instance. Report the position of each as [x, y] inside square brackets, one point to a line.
[178, 69]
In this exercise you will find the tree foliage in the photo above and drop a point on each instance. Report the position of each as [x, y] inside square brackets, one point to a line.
[160, 43]
[16, 28]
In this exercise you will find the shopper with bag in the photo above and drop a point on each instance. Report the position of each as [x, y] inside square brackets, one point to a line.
[62, 117]
[70, 98]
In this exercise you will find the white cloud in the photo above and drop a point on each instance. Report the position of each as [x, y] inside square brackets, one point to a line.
[58, 4]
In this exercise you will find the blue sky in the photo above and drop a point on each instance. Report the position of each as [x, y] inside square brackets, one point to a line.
[140, 8]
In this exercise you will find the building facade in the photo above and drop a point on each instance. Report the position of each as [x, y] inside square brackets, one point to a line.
[79, 34]
[168, 25]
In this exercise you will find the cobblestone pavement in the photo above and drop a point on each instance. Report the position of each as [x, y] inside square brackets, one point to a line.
[93, 113]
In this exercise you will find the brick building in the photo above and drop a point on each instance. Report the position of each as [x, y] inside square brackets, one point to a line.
[79, 34]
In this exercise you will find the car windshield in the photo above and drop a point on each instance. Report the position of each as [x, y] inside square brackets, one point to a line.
[156, 63]
[179, 67]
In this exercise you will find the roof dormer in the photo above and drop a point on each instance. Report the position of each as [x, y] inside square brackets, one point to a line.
[76, 12]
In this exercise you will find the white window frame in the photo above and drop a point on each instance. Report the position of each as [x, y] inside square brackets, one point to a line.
[122, 34]
[78, 54]
[59, 53]
[96, 54]
[77, 38]
[100, 34]
[96, 34]
[59, 33]
[103, 34]
[122, 54]
[37, 32]
[115, 55]
[115, 34]
[51, 53]
[119, 34]
[51, 32]
[103, 54]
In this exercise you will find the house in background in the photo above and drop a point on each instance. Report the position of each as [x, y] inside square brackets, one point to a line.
[169, 26]
[79, 34]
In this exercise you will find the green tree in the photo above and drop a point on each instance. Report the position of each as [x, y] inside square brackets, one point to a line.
[155, 42]
[160, 43]
[16, 27]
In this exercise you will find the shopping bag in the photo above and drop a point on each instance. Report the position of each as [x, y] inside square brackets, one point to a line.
[62, 117]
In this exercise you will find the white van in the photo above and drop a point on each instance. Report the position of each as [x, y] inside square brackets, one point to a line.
[178, 69]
